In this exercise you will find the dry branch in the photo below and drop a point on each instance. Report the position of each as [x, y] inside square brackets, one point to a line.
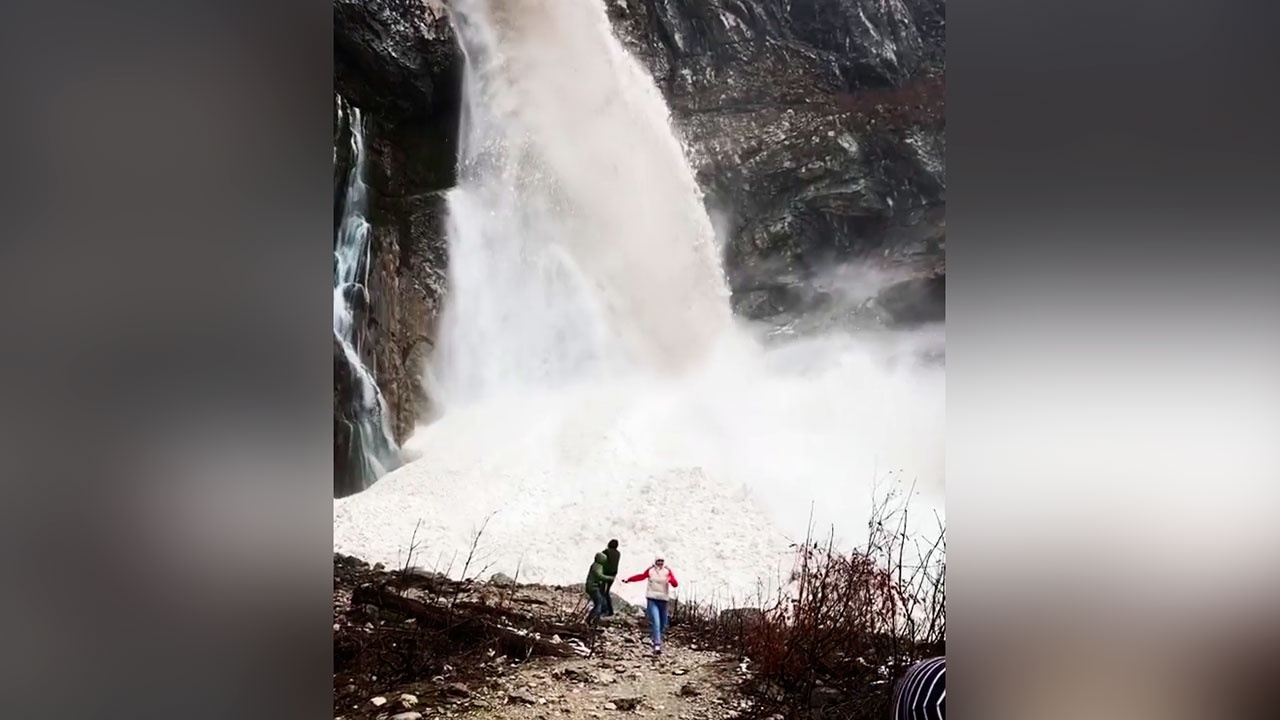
[463, 622]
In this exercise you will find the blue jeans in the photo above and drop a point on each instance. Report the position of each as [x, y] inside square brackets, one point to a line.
[658, 620]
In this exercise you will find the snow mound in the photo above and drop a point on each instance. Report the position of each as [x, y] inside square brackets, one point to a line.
[552, 479]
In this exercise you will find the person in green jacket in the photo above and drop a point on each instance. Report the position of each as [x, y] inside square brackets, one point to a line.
[611, 569]
[597, 580]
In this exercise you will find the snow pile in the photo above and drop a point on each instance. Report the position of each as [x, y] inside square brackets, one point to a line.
[557, 477]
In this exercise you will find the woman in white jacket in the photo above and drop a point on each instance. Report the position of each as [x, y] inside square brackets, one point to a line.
[660, 581]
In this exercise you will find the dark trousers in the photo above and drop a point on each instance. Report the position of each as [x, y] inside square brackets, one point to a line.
[608, 598]
[597, 605]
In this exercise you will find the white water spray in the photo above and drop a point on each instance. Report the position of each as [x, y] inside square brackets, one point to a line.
[569, 259]
[593, 381]
[374, 449]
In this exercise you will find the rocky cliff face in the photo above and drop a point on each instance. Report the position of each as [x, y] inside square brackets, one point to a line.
[815, 127]
[398, 62]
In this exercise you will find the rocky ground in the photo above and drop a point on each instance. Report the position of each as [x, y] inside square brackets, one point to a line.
[410, 644]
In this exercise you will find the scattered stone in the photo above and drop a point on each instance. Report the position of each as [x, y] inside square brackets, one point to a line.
[689, 690]
[457, 690]
[626, 703]
[379, 701]
[610, 706]
[679, 671]
[824, 696]
[502, 580]
[522, 698]
[407, 716]
[408, 700]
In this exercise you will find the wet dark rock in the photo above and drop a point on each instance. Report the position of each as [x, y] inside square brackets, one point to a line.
[397, 63]
[356, 296]
[348, 469]
[816, 130]
[396, 58]
[916, 301]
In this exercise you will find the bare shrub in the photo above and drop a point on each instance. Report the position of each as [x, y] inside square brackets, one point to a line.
[846, 625]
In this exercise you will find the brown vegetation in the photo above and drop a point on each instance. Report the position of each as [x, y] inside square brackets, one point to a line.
[849, 625]
[919, 101]
[420, 631]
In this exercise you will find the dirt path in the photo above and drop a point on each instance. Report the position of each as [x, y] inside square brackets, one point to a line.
[611, 672]
[623, 677]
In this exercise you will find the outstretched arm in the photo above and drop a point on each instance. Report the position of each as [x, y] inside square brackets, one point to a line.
[637, 578]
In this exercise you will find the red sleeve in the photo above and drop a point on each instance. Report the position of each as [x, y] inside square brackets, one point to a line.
[674, 582]
[638, 578]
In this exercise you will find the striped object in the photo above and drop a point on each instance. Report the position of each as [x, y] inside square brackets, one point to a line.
[921, 694]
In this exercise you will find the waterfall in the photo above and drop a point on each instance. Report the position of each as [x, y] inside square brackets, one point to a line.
[593, 380]
[579, 245]
[372, 449]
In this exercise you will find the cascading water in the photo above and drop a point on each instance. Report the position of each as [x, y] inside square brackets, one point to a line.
[569, 260]
[373, 452]
[593, 381]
